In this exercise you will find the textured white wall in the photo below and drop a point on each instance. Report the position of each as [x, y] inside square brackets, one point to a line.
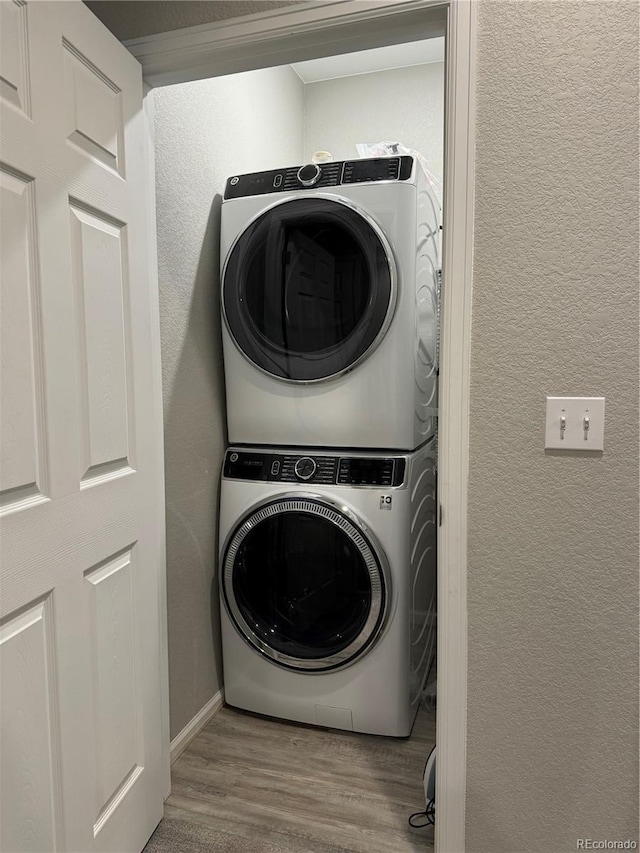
[553, 539]
[205, 131]
[403, 104]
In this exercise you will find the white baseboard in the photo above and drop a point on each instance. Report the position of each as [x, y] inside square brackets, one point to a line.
[182, 740]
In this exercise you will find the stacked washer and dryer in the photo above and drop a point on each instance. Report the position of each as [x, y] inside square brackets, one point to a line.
[330, 277]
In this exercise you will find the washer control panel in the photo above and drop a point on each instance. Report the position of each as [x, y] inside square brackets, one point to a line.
[314, 468]
[317, 176]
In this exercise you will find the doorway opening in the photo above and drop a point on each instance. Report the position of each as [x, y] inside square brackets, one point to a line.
[205, 132]
[318, 30]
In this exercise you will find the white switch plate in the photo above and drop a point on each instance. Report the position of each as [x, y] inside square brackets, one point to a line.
[574, 436]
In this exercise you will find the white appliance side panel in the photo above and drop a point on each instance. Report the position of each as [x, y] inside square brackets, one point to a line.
[423, 609]
[426, 313]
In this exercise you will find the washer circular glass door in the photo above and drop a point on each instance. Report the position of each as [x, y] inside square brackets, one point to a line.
[303, 585]
[309, 289]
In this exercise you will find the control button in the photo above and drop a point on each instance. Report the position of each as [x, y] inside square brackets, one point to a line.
[234, 181]
[305, 468]
[309, 175]
[234, 457]
[277, 181]
[275, 467]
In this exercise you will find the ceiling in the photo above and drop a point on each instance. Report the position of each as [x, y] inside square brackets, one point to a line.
[368, 61]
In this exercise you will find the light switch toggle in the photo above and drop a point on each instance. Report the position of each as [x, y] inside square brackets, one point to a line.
[575, 423]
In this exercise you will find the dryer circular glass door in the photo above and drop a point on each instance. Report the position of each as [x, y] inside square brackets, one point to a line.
[309, 289]
[304, 585]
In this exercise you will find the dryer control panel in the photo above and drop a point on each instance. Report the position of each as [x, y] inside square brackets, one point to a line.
[314, 176]
[314, 468]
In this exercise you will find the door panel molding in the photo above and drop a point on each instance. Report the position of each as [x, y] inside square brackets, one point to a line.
[30, 769]
[15, 85]
[23, 452]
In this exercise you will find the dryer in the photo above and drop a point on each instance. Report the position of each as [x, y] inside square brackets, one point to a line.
[330, 283]
[328, 584]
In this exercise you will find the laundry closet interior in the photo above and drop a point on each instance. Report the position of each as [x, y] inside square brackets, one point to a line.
[325, 556]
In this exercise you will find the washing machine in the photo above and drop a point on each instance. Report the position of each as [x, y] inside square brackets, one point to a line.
[328, 584]
[330, 277]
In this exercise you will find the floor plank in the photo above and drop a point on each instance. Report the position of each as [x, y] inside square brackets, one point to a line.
[253, 784]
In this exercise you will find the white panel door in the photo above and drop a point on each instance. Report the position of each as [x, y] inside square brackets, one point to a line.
[82, 763]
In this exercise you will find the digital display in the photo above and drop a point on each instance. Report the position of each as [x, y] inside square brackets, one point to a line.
[258, 181]
[373, 170]
[379, 169]
[364, 469]
[246, 466]
[366, 472]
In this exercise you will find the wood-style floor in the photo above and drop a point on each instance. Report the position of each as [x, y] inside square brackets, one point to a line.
[250, 784]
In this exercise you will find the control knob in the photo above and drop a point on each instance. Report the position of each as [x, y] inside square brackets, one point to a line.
[305, 468]
[309, 175]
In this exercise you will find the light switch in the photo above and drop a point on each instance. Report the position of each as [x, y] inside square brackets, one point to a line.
[575, 423]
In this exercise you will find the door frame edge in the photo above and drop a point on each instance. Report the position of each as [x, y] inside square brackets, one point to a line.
[154, 289]
[458, 229]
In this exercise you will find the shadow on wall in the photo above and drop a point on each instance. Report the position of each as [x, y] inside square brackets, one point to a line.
[195, 438]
